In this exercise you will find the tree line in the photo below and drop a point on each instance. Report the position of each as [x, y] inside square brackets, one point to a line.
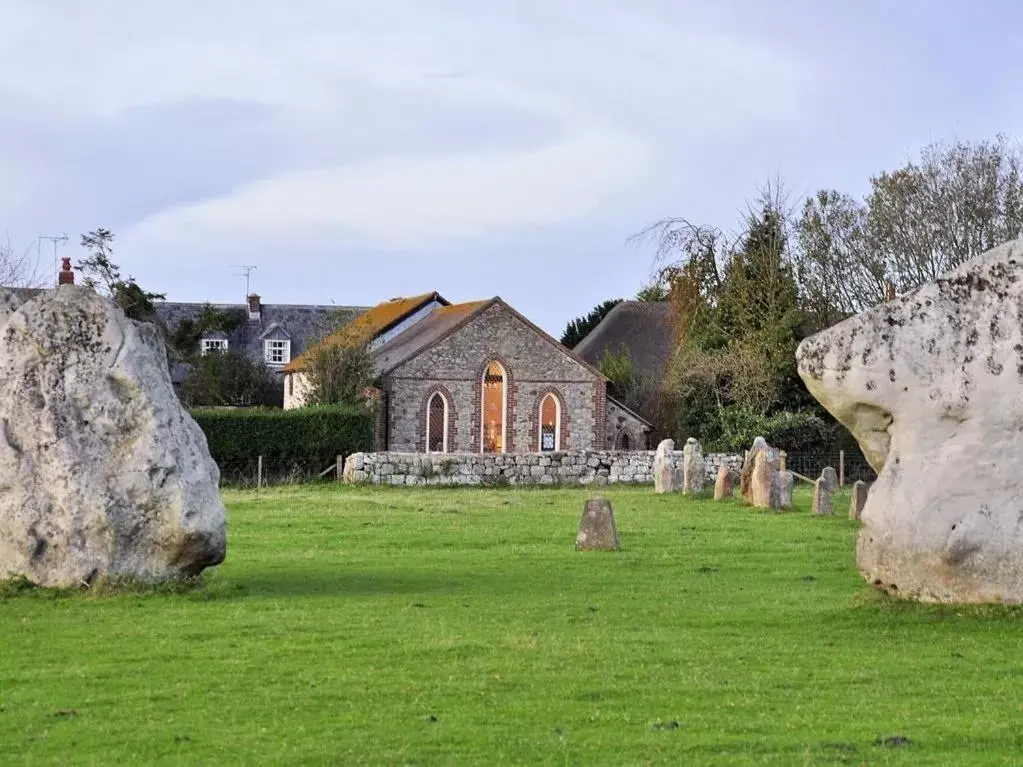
[741, 302]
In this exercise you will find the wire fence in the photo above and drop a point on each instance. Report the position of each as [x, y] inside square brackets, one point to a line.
[849, 464]
[266, 471]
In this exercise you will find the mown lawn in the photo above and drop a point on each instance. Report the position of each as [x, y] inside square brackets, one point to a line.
[400, 626]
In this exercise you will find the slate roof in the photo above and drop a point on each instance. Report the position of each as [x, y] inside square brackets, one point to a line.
[642, 327]
[301, 323]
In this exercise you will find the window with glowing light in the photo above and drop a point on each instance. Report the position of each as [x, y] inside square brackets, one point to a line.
[550, 424]
[495, 405]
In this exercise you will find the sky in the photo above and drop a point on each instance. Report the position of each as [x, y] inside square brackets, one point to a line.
[356, 151]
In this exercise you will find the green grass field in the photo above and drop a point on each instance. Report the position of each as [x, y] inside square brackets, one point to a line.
[436, 627]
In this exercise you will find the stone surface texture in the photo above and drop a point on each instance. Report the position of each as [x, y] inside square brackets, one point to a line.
[571, 468]
[764, 479]
[786, 481]
[597, 529]
[724, 484]
[665, 468]
[103, 474]
[829, 475]
[821, 496]
[858, 498]
[929, 384]
[694, 473]
[746, 476]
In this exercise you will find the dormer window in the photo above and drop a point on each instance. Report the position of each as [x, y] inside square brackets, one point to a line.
[213, 345]
[277, 351]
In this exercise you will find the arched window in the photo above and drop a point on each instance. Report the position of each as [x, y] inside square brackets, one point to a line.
[625, 441]
[437, 424]
[550, 423]
[495, 409]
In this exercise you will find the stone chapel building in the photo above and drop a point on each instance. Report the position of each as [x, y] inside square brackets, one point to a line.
[478, 377]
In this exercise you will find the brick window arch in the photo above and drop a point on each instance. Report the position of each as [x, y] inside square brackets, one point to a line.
[549, 399]
[438, 422]
[549, 422]
[494, 408]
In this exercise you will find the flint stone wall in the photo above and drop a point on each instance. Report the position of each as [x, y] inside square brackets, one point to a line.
[584, 467]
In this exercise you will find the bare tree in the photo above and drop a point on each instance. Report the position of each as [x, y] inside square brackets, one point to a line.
[20, 270]
[918, 222]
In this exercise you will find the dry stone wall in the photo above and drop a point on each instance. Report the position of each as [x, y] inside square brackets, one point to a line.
[585, 467]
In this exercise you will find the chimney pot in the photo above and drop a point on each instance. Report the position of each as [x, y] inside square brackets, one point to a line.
[254, 307]
[67, 275]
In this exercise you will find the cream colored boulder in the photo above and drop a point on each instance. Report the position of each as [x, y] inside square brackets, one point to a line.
[103, 474]
[667, 476]
[931, 386]
[764, 489]
[694, 472]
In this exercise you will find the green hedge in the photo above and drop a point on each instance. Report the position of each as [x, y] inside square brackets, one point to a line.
[306, 434]
[798, 431]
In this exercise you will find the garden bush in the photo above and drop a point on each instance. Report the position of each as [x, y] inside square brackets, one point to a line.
[310, 434]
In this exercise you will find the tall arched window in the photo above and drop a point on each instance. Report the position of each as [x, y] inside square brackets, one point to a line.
[550, 423]
[625, 443]
[437, 424]
[495, 409]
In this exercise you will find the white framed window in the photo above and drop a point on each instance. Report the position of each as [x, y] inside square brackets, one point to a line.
[277, 352]
[213, 345]
[550, 423]
[437, 424]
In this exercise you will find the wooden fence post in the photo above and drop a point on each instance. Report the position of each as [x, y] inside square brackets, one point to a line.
[841, 468]
[259, 473]
[782, 456]
[340, 466]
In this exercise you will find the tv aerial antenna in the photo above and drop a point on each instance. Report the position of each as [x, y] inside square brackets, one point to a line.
[55, 239]
[245, 270]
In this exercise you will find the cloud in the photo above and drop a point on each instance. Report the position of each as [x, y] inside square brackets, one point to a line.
[402, 202]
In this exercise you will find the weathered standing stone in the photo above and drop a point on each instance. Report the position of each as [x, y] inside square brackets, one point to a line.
[102, 471]
[858, 498]
[723, 485]
[665, 471]
[764, 479]
[693, 470]
[829, 475]
[821, 497]
[929, 384]
[746, 475]
[597, 528]
[786, 480]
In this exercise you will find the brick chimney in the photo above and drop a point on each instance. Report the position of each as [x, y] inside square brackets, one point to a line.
[254, 307]
[67, 275]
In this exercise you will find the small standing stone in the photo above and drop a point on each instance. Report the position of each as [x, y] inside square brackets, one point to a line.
[597, 528]
[723, 486]
[858, 499]
[831, 477]
[764, 479]
[693, 470]
[785, 482]
[664, 467]
[746, 476]
[821, 497]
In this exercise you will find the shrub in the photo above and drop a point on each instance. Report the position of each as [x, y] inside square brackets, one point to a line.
[799, 431]
[316, 434]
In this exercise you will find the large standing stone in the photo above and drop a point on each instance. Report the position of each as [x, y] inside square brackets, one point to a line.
[858, 498]
[746, 475]
[693, 470]
[821, 497]
[829, 475]
[102, 471]
[929, 384]
[786, 480]
[723, 485]
[597, 527]
[665, 469]
[764, 479]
